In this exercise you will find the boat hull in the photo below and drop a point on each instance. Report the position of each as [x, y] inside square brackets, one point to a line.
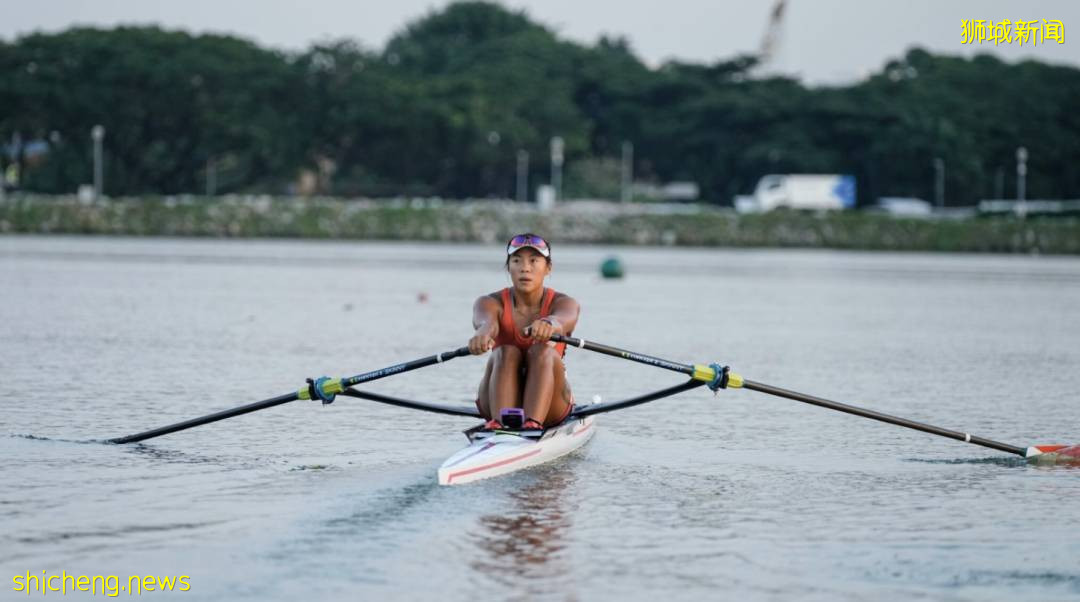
[493, 454]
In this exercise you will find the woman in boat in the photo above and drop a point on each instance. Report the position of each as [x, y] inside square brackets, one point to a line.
[526, 368]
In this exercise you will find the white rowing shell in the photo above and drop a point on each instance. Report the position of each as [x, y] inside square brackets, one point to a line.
[493, 454]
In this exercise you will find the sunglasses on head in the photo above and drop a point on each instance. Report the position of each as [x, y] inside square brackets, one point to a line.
[527, 240]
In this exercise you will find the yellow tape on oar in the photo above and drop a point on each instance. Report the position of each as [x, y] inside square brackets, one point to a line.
[707, 374]
[704, 373]
[329, 387]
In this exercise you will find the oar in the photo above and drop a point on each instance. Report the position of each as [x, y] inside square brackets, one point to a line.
[701, 372]
[719, 377]
[323, 388]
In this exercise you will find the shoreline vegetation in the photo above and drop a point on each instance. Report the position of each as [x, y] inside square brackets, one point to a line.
[582, 222]
[470, 99]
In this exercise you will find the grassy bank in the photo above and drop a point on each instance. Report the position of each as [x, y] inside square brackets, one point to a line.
[485, 221]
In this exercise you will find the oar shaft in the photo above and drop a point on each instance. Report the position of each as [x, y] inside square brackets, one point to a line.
[600, 408]
[425, 406]
[706, 373]
[222, 415]
[438, 358]
[624, 354]
[911, 424]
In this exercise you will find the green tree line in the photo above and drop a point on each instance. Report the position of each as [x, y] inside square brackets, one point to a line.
[446, 106]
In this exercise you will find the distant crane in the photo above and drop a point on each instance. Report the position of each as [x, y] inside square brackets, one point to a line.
[770, 44]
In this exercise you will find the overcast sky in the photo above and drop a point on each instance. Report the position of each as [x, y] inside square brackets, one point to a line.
[823, 41]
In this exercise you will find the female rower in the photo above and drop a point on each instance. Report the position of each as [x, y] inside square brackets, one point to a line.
[526, 368]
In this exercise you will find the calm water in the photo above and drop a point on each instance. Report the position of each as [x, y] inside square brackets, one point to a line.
[739, 496]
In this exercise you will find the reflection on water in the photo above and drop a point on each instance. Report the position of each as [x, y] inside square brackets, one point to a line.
[525, 548]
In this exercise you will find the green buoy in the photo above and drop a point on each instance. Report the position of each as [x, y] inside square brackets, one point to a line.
[611, 268]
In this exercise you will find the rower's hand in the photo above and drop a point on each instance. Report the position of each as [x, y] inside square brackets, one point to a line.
[540, 331]
[481, 343]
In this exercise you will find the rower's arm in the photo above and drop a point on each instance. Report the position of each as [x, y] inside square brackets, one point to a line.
[486, 316]
[564, 314]
[486, 322]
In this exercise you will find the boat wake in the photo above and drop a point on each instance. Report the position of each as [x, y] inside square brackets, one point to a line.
[40, 438]
[1008, 462]
[303, 467]
[1049, 461]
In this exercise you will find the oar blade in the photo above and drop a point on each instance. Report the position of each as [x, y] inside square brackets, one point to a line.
[1054, 454]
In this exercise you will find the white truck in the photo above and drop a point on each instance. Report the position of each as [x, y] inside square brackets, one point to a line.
[800, 191]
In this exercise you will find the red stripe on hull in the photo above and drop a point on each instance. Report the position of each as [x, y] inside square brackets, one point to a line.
[587, 427]
[486, 447]
[462, 473]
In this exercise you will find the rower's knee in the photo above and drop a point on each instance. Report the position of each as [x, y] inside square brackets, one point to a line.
[506, 356]
[541, 354]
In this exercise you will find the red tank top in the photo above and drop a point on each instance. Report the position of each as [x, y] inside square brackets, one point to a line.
[508, 333]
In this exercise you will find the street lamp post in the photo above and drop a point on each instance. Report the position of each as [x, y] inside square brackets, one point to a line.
[556, 166]
[939, 182]
[211, 177]
[98, 135]
[1021, 180]
[522, 176]
[627, 172]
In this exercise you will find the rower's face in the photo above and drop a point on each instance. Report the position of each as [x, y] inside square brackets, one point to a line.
[528, 268]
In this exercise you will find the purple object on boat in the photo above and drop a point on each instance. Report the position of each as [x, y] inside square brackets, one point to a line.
[512, 418]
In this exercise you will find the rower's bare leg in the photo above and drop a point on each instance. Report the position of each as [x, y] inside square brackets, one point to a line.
[547, 392]
[502, 380]
[482, 402]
